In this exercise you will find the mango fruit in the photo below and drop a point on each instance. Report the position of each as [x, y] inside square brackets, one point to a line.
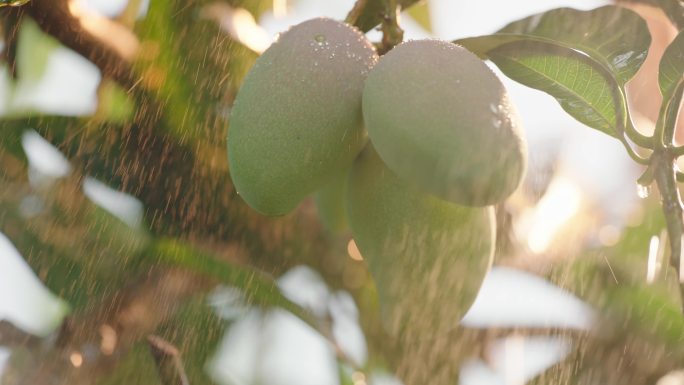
[441, 119]
[428, 257]
[331, 203]
[297, 117]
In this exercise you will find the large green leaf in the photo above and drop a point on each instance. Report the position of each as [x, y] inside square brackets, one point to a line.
[582, 89]
[582, 58]
[615, 37]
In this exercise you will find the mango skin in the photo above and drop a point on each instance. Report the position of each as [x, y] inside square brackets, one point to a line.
[331, 203]
[297, 117]
[428, 256]
[442, 120]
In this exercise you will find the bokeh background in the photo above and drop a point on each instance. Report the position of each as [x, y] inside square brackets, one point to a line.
[579, 227]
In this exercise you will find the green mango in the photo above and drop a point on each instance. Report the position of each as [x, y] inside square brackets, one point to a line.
[331, 202]
[297, 117]
[428, 256]
[442, 120]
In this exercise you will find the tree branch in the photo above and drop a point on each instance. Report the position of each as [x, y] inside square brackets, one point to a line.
[104, 49]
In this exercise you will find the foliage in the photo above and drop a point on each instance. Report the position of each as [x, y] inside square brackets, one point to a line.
[159, 135]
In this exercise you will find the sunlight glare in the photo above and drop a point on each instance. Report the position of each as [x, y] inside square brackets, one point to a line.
[279, 8]
[116, 36]
[558, 206]
[353, 251]
[239, 24]
[76, 359]
[652, 252]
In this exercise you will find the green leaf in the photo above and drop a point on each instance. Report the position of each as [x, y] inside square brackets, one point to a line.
[34, 50]
[671, 82]
[373, 11]
[581, 88]
[642, 310]
[420, 13]
[671, 72]
[615, 37]
[582, 58]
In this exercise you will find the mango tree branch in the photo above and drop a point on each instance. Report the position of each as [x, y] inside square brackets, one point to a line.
[392, 34]
[109, 46]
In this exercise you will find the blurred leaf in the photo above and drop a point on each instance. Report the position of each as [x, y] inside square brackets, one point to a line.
[640, 309]
[58, 271]
[624, 263]
[373, 13]
[80, 251]
[259, 288]
[33, 51]
[671, 72]
[421, 14]
[582, 58]
[114, 104]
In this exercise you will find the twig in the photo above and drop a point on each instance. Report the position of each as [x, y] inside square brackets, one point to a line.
[632, 154]
[634, 135]
[392, 34]
[55, 18]
[169, 363]
[672, 210]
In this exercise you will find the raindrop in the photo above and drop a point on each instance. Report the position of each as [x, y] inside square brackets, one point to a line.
[320, 39]
[643, 191]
